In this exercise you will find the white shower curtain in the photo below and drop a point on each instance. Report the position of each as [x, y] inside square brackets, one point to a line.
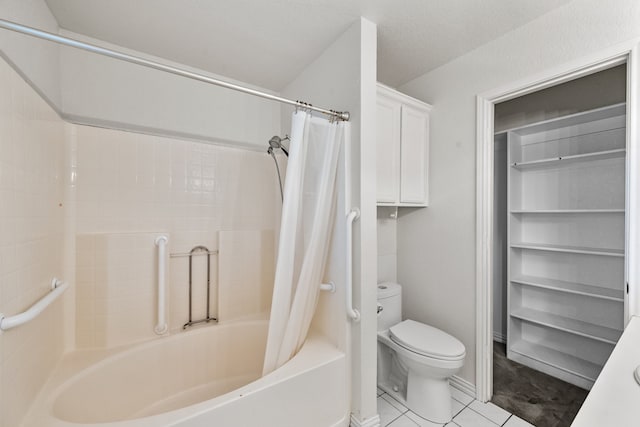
[307, 221]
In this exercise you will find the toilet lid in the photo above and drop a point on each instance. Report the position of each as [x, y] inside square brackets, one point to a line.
[426, 340]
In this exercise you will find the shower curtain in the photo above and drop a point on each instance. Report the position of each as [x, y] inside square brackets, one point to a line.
[305, 232]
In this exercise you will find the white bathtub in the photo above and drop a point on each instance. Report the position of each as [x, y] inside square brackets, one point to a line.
[209, 376]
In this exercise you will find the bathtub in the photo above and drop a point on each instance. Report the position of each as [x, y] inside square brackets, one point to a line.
[209, 376]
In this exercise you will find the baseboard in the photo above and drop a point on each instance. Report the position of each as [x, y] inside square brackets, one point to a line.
[369, 422]
[463, 385]
[497, 336]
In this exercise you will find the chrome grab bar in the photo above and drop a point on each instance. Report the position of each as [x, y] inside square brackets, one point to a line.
[57, 288]
[209, 318]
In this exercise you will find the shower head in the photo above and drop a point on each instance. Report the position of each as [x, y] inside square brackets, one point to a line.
[275, 143]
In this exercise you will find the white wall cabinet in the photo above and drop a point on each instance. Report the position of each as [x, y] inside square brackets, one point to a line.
[566, 230]
[402, 149]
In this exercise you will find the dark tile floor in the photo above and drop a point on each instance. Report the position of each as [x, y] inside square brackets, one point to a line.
[538, 398]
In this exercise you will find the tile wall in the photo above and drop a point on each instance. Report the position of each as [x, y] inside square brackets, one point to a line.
[32, 213]
[131, 187]
[134, 182]
[387, 252]
[78, 196]
[115, 288]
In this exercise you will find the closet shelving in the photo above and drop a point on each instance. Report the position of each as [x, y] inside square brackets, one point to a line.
[554, 162]
[566, 228]
[569, 249]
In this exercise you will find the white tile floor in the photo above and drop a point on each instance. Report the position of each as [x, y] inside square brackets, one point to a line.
[468, 413]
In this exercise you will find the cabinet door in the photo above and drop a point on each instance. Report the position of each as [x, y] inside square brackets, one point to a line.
[388, 150]
[414, 156]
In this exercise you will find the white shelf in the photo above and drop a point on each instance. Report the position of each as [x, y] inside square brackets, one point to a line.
[402, 205]
[573, 326]
[570, 249]
[572, 119]
[561, 161]
[567, 211]
[571, 287]
[557, 359]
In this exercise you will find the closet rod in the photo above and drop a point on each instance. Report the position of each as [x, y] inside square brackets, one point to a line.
[34, 32]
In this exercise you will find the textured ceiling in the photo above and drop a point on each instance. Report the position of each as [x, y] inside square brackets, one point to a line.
[268, 42]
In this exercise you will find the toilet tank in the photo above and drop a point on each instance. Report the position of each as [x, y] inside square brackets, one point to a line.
[389, 305]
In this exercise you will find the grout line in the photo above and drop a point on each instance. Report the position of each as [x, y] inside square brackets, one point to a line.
[406, 409]
[487, 418]
[505, 422]
[393, 420]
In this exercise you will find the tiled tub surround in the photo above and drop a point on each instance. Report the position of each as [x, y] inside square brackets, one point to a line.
[31, 240]
[127, 182]
[117, 282]
[59, 181]
[129, 188]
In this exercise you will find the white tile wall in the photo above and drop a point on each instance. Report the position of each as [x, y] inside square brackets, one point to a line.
[116, 288]
[135, 182]
[387, 251]
[31, 240]
[196, 193]
[247, 269]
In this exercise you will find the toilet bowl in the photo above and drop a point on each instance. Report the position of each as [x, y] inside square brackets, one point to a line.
[415, 361]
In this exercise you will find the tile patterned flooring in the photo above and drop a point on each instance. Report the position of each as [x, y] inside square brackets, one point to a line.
[468, 413]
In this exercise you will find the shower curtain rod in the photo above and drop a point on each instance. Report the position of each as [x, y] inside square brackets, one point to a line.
[8, 25]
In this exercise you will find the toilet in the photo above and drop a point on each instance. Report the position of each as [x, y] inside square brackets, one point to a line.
[415, 361]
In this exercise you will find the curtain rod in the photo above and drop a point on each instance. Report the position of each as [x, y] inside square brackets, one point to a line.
[34, 32]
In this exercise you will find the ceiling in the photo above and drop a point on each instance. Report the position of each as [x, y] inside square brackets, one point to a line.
[269, 42]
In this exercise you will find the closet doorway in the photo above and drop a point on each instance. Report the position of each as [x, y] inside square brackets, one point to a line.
[535, 239]
[558, 243]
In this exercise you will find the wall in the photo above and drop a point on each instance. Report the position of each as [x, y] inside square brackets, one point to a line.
[500, 239]
[351, 87]
[90, 89]
[37, 60]
[130, 188]
[596, 90]
[31, 239]
[387, 246]
[436, 246]
[106, 92]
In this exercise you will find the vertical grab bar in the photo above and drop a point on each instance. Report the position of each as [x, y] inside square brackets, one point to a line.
[351, 312]
[161, 327]
[208, 318]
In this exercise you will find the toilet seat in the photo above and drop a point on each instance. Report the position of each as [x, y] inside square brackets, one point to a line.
[426, 340]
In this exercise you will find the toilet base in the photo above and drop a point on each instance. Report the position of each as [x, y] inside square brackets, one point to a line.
[430, 398]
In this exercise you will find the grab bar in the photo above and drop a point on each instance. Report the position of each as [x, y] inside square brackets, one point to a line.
[351, 312]
[57, 288]
[161, 327]
[328, 287]
[194, 251]
[191, 254]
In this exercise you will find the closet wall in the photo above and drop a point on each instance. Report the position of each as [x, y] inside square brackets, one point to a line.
[597, 90]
